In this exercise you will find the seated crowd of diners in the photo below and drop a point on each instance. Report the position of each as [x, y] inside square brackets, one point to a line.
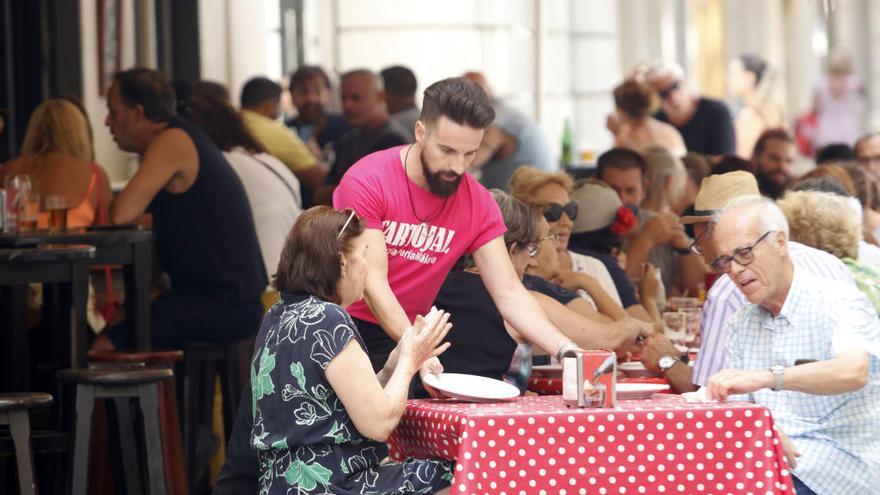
[539, 265]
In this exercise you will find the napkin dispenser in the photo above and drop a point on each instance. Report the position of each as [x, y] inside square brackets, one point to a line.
[589, 378]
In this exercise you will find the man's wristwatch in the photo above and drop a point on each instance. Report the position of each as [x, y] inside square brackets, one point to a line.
[778, 376]
[666, 362]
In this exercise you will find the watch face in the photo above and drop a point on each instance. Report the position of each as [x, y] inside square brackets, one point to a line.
[666, 362]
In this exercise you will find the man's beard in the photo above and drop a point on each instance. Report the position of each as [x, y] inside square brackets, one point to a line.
[311, 113]
[770, 187]
[436, 183]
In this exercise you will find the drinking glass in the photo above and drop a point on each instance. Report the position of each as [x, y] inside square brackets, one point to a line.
[692, 327]
[56, 206]
[676, 302]
[29, 212]
[18, 188]
[675, 330]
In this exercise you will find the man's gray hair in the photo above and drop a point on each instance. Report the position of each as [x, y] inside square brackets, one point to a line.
[762, 210]
[376, 78]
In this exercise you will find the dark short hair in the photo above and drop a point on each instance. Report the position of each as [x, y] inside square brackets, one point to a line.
[458, 99]
[823, 184]
[835, 153]
[217, 118]
[149, 89]
[307, 72]
[635, 99]
[312, 254]
[733, 163]
[754, 64]
[768, 135]
[621, 159]
[520, 220]
[258, 90]
[399, 81]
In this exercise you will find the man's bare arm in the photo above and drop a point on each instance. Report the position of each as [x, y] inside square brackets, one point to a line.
[170, 162]
[377, 294]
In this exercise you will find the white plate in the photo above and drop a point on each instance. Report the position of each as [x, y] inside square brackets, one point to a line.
[471, 387]
[634, 391]
[634, 369]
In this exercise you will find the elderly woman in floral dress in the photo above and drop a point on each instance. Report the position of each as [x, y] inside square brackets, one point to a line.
[320, 414]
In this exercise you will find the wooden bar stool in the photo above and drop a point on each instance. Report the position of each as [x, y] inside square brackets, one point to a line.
[201, 364]
[14, 412]
[121, 385]
[169, 417]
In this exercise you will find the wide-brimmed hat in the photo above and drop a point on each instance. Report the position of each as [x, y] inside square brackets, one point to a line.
[597, 207]
[717, 190]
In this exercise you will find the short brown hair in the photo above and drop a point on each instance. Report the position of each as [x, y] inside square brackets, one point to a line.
[312, 254]
[636, 100]
[458, 99]
[836, 172]
[769, 134]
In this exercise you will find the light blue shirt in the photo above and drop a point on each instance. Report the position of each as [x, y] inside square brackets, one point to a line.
[838, 436]
[724, 298]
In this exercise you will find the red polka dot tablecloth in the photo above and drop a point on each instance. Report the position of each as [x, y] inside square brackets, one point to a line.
[537, 445]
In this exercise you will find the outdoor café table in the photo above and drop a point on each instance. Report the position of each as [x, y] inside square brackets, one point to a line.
[115, 245]
[65, 264]
[537, 445]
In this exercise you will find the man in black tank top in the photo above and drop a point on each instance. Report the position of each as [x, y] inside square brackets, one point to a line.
[205, 236]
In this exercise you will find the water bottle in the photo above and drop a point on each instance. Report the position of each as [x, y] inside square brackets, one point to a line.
[565, 157]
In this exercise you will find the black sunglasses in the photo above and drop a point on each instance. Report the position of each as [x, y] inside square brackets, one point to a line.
[667, 92]
[553, 211]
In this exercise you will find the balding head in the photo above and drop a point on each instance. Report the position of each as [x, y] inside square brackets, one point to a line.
[363, 99]
[751, 237]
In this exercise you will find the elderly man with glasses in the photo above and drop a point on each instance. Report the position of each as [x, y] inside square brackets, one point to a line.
[724, 298]
[807, 348]
[704, 123]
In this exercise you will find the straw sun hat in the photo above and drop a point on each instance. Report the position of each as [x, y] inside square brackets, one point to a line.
[717, 190]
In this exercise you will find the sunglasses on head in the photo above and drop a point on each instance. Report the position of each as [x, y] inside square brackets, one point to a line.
[553, 211]
[667, 92]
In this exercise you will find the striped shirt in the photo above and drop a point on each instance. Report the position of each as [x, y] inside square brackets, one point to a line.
[724, 298]
[835, 434]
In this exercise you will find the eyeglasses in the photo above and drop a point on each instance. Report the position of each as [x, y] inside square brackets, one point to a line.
[667, 92]
[744, 256]
[694, 246]
[553, 211]
[535, 247]
[867, 160]
[350, 218]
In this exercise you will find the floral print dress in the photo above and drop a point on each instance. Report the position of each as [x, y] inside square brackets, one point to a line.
[305, 441]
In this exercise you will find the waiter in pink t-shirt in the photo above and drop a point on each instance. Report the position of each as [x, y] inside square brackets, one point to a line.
[423, 212]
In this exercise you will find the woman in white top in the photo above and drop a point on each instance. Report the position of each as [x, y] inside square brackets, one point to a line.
[272, 190]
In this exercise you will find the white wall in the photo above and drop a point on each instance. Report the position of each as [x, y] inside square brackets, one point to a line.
[118, 164]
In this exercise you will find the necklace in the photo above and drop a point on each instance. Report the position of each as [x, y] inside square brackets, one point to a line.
[412, 203]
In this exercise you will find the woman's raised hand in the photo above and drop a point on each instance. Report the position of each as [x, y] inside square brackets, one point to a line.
[421, 341]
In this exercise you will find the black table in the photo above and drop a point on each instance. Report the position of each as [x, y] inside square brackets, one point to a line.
[115, 245]
[64, 264]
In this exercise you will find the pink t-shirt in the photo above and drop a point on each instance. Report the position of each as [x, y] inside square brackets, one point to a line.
[420, 254]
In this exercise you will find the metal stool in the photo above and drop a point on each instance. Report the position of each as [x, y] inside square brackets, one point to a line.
[14, 412]
[121, 385]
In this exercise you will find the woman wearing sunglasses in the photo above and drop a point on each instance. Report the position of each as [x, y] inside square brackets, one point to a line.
[320, 414]
[486, 345]
[576, 271]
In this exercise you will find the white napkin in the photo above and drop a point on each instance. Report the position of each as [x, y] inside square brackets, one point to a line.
[698, 396]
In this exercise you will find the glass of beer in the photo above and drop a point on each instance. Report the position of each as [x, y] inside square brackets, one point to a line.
[29, 212]
[56, 206]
